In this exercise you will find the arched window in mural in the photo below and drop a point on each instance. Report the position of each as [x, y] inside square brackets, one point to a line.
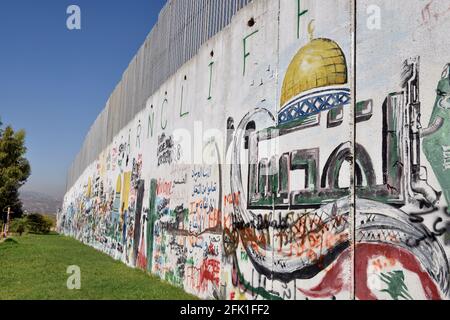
[283, 176]
[341, 160]
[344, 174]
[230, 130]
[263, 174]
[230, 123]
[251, 127]
[273, 176]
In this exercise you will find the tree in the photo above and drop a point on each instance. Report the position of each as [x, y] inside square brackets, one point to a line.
[14, 168]
[37, 223]
[19, 226]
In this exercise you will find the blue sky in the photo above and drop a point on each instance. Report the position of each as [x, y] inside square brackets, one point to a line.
[54, 82]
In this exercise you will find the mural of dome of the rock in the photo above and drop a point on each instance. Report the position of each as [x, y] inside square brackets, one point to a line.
[318, 64]
[314, 81]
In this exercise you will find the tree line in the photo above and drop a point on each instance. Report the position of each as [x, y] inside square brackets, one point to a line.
[14, 169]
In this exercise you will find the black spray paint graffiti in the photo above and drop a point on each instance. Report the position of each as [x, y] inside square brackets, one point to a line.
[168, 151]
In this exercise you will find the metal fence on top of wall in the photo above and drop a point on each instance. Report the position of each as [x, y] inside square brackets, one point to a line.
[183, 27]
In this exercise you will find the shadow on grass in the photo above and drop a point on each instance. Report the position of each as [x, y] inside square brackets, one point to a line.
[52, 233]
[9, 241]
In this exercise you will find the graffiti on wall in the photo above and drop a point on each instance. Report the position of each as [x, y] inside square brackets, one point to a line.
[276, 212]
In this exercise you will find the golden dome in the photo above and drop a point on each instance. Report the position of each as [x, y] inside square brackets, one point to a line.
[320, 63]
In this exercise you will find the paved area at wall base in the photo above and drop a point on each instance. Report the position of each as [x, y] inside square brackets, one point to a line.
[35, 267]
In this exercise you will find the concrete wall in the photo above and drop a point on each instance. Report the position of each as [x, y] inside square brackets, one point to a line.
[183, 26]
[399, 68]
[250, 174]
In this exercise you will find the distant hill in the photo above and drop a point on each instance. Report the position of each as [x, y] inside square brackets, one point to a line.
[36, 202]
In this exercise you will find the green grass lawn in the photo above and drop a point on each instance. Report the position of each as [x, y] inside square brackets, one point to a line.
[34, 267]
